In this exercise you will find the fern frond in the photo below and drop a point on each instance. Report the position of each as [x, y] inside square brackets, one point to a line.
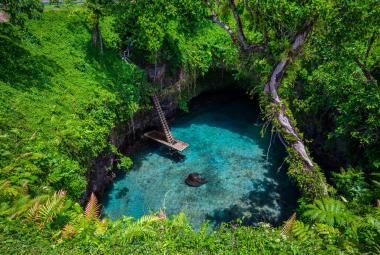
[329, 211]
[101, 227]
[327, 230]
[373, 220]
[289, 225]
[5, 185]
[69, 231]
[136, 230]
[161, 214]
[146, 219]
[25, 186]
[51, 208]
[92, 210]
[32, 213]
[22, 205]
[301, 231]
[8, 191]
[181, 221]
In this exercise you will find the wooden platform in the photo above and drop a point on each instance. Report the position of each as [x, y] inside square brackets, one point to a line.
[160, 137]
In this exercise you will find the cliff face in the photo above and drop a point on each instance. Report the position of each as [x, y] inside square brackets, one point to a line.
[128, 138]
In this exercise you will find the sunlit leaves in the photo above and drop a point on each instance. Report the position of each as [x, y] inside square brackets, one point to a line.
[149, 24]
[57, 111]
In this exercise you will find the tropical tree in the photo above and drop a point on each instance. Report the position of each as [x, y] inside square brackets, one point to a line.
[340, 107]
[289, 48]
[97, 9]
[155, 27]
[281, 40]
[20, 11]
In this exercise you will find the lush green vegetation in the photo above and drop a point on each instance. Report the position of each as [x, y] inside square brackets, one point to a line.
[64, 88]
[60, 99]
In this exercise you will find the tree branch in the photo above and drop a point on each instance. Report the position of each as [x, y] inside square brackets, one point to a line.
[365, 70]
[238, 38]
[249, 8]
[239, 26]
[275, 81]
[370, 42]
[240, 32]
[294, 140]
[280, 68]
[220, 23]
[362, 65]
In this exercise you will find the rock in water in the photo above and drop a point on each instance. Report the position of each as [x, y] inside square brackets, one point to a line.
[195, 180]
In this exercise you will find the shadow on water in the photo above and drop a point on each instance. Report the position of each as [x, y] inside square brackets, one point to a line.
[122, 192]
[237, 109]
[275, 190]
[173, 155]
[257, 206]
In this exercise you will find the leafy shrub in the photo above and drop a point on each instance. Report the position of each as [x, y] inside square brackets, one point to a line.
[351, 183]
[125, 163]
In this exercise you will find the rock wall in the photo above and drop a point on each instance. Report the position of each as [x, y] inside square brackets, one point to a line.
[128, 137]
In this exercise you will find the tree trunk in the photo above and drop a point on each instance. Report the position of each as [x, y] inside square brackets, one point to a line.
[308, 176]
[97, 36]
[294, 140]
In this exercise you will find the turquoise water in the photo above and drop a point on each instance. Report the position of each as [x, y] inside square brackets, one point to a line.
[226, 149]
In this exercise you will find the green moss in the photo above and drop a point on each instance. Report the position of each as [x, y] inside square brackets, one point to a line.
[311, 182]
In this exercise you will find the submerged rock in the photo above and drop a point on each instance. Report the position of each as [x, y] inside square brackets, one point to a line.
[195, 180]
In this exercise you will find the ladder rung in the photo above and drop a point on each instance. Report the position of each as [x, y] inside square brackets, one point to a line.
[164, 124]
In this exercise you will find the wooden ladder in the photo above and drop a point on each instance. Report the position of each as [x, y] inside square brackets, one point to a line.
[164, 123]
